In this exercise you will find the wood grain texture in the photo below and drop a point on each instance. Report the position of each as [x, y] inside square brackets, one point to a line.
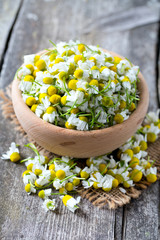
[67, 142]
[8, 12]
[21, 216]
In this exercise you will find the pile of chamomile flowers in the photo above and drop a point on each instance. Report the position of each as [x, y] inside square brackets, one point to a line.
[78, 86]
[62, 176]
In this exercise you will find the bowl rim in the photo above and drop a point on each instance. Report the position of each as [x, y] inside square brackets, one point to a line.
[143, 91]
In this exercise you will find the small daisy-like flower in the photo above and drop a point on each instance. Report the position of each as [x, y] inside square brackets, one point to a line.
[152, 117]
[151, 174]
[29, 188]
[45, 193]
[70, 202]
[49, 204]
[29, 177]
[12, 153]
[107, 183]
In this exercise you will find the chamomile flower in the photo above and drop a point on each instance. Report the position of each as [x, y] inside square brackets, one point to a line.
[29, 177]
[45, 193]
[29, 188]
[70, 202]
[49, 204]
[152, 117]
[12, 153]
[151, 174]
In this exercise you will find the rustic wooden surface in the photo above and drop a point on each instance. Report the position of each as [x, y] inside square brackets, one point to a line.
[127, 27]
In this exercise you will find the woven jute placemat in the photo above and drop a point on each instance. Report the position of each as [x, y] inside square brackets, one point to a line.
[113, 199]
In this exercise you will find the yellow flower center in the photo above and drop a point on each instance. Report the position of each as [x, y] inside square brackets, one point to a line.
[72, 84]
[71, 68]
[84, 174]
[68, 53]
[78, 73]
[62, 190]
[115, 183]
[30, 101]
[103, 168]
[118, 118]
[52, 166]
[48, 80]
[77, 58]
[29, 78]
[53, 175]
[102, 68]
[119, 178]
[50, 110]
[36, 58]
[33, 108]
[129, 152]
[117, 59]
[69, 186]
[69, 126]
[110, 172]
[41, 65]
[151, 178]
[85, 119]
[136, 175]
[41, 194]
[113, 68]
[28, 187]
[134, 162]
[92, 59]
[95, 185]
[26, 172]
[74, 110]
[132, 107]
[37, 172]
[94, 68]
[30, 67]
[60, 174]
[122, 104]
[35, 71]
[143, 145]
[126, 184]
[64, 100]
[15, 157]
[37, 185]
[106, 189]
[30, 166]
[55, 98]
[89, 162]
[41, 96]
[106, 101]
[93, 82]
[58, 60]
[81, 48]
[65, 199]
[52, 57]
[148, 165]
[62, 75]
[151, 137]
[136, 149]
[51, 90]
[76, 181]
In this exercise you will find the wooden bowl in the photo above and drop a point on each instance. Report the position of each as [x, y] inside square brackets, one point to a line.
[74, 143]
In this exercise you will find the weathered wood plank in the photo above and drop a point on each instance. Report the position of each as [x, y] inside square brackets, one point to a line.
[141, 216]
[8, 11]
[22, 217]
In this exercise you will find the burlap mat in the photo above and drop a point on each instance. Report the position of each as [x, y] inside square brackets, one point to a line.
[115, 198]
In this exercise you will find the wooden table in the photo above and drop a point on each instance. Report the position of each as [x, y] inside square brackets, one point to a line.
[127, 27]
